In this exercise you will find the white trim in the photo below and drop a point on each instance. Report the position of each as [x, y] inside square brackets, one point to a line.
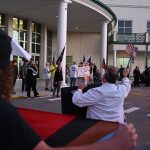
[131, 109]
[95, 7]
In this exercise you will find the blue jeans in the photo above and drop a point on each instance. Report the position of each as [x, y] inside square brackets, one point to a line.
[73, 81]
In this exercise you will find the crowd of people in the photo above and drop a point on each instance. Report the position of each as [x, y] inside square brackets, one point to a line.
[85, 72]
[28, 73]
[53, 77]
[139, 78]
[16, 134]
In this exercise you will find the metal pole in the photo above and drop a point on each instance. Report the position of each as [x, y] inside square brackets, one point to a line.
[146, 53]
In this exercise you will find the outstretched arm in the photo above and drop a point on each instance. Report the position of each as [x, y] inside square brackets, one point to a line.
[126, 86]
[125, 139]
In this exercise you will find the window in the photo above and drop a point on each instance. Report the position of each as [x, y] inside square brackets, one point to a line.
[36, 38]
[123, 62]
[148, 26]
[20, 31]
[69, 60]
[148, 62]
[2, 21]
[124, 26]
[49, 46]
[20, 35]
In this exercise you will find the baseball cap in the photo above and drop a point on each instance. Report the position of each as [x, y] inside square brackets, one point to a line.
[5, 49]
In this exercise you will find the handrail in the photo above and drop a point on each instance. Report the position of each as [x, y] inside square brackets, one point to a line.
[136, 38]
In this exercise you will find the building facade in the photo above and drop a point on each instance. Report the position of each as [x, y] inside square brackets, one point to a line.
[133, 26]
[83, 33]
[45, 27]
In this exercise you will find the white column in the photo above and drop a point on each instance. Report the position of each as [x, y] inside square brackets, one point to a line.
[62, 34]
[9, 25]
[103, 44]
[29, 37]
[146, 48]
[9, 28]
[43, 53]
[114, 58]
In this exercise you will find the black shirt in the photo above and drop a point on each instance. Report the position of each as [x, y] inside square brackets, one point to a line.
[58, 76]
[15, 134]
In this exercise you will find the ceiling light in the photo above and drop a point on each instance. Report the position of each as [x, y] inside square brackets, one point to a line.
[77, 28]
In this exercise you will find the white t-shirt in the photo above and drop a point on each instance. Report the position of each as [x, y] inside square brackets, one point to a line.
[46, 73]
[73, 71]
[86, 70]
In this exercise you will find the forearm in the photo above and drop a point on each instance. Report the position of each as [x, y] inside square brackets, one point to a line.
[124, 139]
[126, 82]
[76, 99]
[105, 145]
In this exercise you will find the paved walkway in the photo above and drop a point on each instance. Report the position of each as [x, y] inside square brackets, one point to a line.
[140, 91]
[40, 89]
[136, 91]
[136, 107]
[20, 94]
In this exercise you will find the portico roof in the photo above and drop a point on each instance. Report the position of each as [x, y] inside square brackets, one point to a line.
[83, 15]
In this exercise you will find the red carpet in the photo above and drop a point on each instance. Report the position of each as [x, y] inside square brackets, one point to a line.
[45, 123]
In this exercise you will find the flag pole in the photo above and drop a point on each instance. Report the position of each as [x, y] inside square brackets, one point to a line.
[129, 61]
[129, 65]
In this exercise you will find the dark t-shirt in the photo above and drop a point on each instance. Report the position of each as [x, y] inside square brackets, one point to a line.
[15, 134]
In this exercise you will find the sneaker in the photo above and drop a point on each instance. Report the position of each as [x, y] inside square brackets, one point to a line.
[13, 92]
[36, 93]
[53, 95]
[36, 96]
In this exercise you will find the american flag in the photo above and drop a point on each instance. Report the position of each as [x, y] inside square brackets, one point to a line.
[134, 51]
[131, 50]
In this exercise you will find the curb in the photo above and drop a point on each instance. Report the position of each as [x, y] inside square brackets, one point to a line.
[139, 95]
[17, 97]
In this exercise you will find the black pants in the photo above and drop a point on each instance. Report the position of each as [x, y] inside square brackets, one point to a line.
[32, 84]
[136, 81]
[24, 86]
[14, 81]
[57, 88]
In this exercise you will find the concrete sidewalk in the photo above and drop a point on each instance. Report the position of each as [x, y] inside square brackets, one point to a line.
[40, 89]
[42, 93]
[137, 91]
